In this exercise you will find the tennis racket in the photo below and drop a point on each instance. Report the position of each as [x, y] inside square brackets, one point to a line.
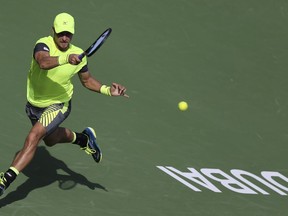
[96, 45]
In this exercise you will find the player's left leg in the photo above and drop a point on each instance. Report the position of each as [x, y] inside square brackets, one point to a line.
[53, 116]
[59, 135]
[86, 140]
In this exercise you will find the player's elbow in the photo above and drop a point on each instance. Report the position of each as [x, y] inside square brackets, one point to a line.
[44, 66]
[85, 84]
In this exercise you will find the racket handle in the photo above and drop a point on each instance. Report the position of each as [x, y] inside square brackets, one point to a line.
[81, 56]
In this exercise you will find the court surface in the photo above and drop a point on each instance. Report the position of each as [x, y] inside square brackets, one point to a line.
[226, 58]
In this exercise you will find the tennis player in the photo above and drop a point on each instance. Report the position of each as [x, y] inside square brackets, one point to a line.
[49, 92]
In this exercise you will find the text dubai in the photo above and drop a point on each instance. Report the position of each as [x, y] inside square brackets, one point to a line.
[239, 181]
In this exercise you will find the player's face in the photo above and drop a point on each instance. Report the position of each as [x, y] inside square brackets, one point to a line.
[63, 40]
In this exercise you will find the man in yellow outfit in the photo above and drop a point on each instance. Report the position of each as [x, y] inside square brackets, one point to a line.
[49, 91]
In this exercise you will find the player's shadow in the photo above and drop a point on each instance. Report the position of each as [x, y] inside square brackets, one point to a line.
[41, 172]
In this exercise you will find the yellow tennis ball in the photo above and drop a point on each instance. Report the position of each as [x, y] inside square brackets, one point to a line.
[182, 105]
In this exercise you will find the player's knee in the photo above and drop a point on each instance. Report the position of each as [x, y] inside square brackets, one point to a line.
[32, 140]
[49, 142]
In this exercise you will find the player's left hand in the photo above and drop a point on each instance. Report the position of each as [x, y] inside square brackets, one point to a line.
[118, 90]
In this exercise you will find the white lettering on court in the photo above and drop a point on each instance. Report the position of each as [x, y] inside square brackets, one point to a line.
[238, 183]
[239, 174]
[227, 181]
[194, 175]
[268, 176]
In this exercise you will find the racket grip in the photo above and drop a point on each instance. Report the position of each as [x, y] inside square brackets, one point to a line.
[81, 56]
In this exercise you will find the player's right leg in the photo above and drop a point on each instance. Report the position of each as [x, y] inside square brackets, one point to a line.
[23, 157]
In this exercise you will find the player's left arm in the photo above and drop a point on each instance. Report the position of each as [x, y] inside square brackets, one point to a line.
[89, 82]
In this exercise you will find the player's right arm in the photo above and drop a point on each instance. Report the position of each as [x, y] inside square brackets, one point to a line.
[46, 62]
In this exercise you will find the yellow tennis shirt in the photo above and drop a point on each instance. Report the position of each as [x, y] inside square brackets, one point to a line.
[46, 87]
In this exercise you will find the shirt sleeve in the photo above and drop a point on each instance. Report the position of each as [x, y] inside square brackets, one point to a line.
[43, 47]
[40, 47]
[84, 69]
